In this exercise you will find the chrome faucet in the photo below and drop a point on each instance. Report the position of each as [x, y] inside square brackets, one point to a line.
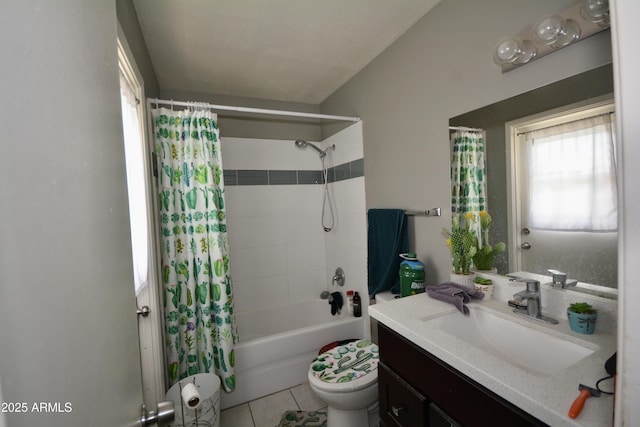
[527, 302]
[559, 279]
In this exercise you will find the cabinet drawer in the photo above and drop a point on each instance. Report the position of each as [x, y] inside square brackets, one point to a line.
[400, 404]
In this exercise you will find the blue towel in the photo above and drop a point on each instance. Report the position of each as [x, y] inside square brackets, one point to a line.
[387, 238]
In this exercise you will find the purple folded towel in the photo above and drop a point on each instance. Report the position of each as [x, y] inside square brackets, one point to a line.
[453, 288]
[454, 293]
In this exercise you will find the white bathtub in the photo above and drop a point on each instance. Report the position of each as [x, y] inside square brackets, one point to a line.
[278, 344]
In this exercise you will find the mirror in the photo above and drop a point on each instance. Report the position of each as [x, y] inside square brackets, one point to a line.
[492, 118]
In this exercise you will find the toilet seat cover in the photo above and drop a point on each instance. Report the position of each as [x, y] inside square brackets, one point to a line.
[346, 363]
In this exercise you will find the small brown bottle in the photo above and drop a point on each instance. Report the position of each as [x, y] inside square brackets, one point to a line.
[357, 305]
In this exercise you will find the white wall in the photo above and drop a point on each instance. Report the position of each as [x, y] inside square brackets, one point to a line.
[279, 253]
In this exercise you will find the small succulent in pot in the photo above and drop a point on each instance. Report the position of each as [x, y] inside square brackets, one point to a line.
[582, 307]
[582, 317]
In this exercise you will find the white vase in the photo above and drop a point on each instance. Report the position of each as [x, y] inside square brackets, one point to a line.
[463, 279]
[486, 289]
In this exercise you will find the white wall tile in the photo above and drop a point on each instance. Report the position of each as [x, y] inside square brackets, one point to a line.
[303, 199]
[305, 257]
[308, 284]
[254, 263]
[348, 145]
[255, 200]
[256, 231]
[349, 195]
[279, 252]
[261, 292]
[248, 153]
[303, 228]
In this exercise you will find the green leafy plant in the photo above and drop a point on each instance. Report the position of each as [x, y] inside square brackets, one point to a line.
[483, 281]
[485, 255]
[462, 242]
[582, 308]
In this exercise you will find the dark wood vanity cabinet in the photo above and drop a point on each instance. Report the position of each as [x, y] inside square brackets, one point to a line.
[418, 389]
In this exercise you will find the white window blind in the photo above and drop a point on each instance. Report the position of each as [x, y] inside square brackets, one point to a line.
[572, 176]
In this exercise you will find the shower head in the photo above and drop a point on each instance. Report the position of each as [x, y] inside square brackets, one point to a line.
[304, 144]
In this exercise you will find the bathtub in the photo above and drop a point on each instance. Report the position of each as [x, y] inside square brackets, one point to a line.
[278, 344]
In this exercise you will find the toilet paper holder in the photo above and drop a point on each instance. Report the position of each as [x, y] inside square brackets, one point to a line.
[194, 408]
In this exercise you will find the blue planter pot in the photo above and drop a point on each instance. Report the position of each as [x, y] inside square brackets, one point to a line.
[582, 323]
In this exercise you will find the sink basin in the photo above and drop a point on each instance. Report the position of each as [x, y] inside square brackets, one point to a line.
[520, 344]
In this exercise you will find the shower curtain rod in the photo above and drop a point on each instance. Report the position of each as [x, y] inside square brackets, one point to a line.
[465, 128]
[158, 101]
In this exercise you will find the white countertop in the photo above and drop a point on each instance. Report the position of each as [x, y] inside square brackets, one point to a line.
[547, 398]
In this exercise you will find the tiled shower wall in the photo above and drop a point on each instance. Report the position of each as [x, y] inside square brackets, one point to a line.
[278, 250]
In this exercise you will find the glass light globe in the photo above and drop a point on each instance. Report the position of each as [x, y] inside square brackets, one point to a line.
[570, 34]
[548, 29]
[595, 11]
[555, 31]
[528, 52]
[513, 50]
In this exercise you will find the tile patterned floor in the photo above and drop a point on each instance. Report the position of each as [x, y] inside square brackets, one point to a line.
[266, 411]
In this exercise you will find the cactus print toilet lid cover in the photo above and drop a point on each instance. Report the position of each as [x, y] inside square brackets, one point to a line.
[347, 362]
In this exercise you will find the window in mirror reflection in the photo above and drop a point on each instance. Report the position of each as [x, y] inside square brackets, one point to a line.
[572, 176]
[565, 171]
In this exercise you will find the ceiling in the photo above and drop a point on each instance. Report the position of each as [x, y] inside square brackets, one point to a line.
[287, 50]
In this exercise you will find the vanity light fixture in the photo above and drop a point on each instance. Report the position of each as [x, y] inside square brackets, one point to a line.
[551, 33]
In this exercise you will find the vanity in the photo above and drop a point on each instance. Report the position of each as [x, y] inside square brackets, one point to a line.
[441, 368]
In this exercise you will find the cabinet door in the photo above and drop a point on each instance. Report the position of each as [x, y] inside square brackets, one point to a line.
[400, 404]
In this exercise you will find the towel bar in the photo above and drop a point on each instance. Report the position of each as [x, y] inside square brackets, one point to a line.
[429, 212]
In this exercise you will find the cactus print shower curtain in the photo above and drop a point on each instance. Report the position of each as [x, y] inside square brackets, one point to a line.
[198, 301]
[468, 183]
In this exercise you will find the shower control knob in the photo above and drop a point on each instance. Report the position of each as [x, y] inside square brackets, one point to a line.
[338, 277]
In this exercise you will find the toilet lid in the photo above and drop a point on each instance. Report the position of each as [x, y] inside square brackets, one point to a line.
[347, 363]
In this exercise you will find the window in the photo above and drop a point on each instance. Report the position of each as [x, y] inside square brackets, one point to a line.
[132, 120]
[571, 174]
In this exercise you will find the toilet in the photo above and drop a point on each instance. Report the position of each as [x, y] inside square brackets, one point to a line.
[346, 379]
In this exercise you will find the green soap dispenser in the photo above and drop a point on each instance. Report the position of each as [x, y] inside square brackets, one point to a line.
[411, 275]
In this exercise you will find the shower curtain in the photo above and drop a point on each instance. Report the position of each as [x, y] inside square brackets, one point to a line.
[468, 183]
[198, 301]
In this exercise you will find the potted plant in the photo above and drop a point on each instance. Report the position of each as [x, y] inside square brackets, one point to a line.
[582, 317]
[485, 285]
[485, 255]
[462, 241]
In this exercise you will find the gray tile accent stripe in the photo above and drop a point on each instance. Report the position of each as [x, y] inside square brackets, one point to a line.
[286, 177]
[353, 169]
[253, 177]
[310, 177]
